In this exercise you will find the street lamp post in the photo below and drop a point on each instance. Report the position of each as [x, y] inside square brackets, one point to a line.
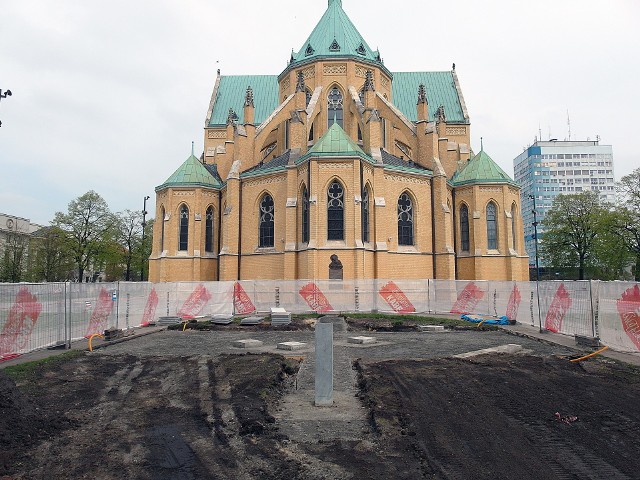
[144, 225]
[535, 238]
[6, 94]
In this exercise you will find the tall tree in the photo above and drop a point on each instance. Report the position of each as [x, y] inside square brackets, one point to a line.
[88, 223]
[626, 223]
[50, 259]
[13, 259]
[571, 226]
[129, 231]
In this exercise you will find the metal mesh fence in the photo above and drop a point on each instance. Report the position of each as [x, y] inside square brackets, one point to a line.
[34, 316]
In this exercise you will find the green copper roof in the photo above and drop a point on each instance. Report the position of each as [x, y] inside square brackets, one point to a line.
[335, 36]
[336, 141]
[481, 169]
[191, 173]
[441, 90]
[231, 94]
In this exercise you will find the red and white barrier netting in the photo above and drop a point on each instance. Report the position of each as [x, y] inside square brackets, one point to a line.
[34, 316]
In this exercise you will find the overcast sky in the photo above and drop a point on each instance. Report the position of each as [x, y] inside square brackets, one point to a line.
[109, 95]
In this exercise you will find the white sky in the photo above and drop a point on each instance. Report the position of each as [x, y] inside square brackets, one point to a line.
[108, 95]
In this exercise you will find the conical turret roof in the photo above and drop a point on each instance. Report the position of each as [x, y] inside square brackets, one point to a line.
[191, 173]
[482, 169]
[335, 36]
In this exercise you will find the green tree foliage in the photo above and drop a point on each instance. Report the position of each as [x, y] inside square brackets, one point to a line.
[129, 236]
[626, 222]
[572, 226]
[89, 225]
[50, 259]
[13, 259]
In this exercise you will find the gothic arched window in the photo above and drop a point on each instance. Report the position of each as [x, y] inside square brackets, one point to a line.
[184, 228]
[405, 220]
[208, 230]
[365, 214]
[334, 108]
[335, 212]
[305, 215]
[161, 229]
[464, 228]
[266, 221]
[513, 227]
[492, 227]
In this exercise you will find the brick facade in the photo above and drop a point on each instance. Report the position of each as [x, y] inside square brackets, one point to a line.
[418, 158]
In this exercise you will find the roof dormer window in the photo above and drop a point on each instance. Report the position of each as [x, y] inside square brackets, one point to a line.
[361, 50]
[309, 51]
[335, 46]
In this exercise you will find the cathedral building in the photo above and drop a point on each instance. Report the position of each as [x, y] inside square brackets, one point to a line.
[338, 168]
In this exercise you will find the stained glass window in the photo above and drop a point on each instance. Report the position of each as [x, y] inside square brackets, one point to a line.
[184, 228]
[492, 227]
[464, 228]
[405, 220]
[335, 212]
[266, 221]
[208, 234]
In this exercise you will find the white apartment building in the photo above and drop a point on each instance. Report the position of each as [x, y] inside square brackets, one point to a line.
[550, 168]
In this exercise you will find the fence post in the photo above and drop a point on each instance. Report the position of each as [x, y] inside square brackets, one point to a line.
[593, 318]
[67, 316]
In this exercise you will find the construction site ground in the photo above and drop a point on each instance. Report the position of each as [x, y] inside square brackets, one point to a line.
[189, 405]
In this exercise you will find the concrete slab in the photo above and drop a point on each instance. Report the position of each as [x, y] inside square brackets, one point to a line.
[431, 328]
[253, 320]
[291, 346]
[247, 343]
[361, 340]
[508, 348]
[222, 319]
[278, 310]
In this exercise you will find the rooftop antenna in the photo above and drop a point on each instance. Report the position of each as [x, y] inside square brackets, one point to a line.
[549, 132]
[569, 124]
[539, 132]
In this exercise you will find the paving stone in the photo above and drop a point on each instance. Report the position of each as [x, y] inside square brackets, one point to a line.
[253, 320]
[431, 328]
[222, 319]
[291, 345]
[247, 343]
[361, 340]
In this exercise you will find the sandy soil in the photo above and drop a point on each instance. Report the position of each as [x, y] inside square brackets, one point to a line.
[194, 409]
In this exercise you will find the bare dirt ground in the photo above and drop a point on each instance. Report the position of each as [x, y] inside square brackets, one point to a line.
[187, 405]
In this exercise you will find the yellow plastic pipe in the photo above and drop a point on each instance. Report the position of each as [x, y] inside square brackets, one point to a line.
[590, 355]
[91, 338]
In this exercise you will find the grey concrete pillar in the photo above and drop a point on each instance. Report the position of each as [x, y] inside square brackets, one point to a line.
[324, 364]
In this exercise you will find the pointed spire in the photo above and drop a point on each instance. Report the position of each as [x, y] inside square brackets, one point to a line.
[368, 82]
[422, 94]
[192, 146]
[232, 118]
[300, 87]
[339, 2]
[481, 145]
[248, 99]
[440, 115]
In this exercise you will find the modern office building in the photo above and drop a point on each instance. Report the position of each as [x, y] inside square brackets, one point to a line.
[551, 168]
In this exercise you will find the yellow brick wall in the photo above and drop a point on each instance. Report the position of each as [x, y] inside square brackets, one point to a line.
[382, 257]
